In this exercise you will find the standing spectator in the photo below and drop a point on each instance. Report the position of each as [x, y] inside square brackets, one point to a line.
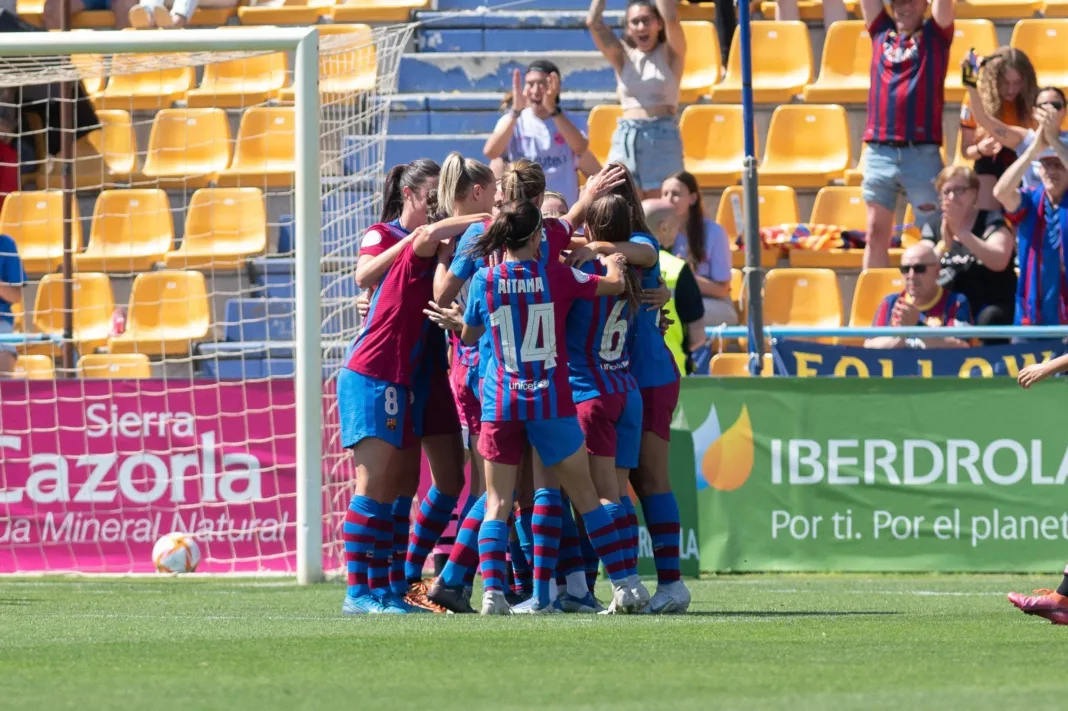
[922, 303]
[536, 128]
[648, 63]
[704, 244]
[910, 57]
[977, 247]
[121, 8]
[12, 277]
[1041, 219]
[1007, 89]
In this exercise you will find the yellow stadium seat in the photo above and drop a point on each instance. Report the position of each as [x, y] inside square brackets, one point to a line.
[873, 285]
[778, 205]
[712, 147]
[855, 176]
[188, 147]
[263, 153]
[807, 10]
[808, 146]
[18, 313]
[224, 227]
[34, 367]
[802, 297]
[376, 10]
[93, 304]
[996, 9]
[91, 67]
[846, 66]
[156, 89]
[1056, 8]
[104, 157]
[1044, 42]
[240, 82]
[343, 74]
[32, 11]
[601, 124]
[704, 64]
[212, 16]
[782, 64]
[977, 33]
[168, 312]
[131, 231]
[736, 365]
[290, 12]
[114, 366]
[35, 221]
[843, 207]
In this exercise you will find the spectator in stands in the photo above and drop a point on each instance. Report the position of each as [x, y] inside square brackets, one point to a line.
[910, 57]
[9, 151]
[156, 13]
[538, 129]
[121, 8]
[12, 277]
[648, 64]
[977, 248]
[704, 244]
[1041, 218]
[922, 303]
[1007, 89]
[833, 11]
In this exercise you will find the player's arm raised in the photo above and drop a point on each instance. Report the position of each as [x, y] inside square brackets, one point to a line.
[596, 186]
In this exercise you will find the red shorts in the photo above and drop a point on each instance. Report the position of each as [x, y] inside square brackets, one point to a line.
[467, 404]
[554, 440]
[658, 408]
[439, 415]
[598, 417]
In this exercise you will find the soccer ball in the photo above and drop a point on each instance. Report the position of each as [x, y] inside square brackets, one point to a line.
[176, 553]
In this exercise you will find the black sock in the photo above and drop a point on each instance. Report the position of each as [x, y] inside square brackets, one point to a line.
[1062, 589]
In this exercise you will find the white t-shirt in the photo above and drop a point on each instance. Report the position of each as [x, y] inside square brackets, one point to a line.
[539, 141]
[1031, 179]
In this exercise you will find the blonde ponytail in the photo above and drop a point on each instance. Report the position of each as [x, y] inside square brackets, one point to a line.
[458, 176]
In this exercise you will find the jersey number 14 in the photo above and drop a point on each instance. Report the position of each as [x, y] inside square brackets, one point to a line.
[539, 339]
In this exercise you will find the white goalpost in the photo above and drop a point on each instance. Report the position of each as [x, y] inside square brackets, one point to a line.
[219, 194]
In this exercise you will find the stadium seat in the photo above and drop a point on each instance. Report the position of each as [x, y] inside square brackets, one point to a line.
[1056, 8]
[104, 157]
[873, 285]
[600, 125]
[223, 227]
[808, 146]
[855, 176]
[114, 366]
[34, 367]
[712, 147]
[240, 82]
[92, 307]
[168, 312]
[1044, 43]
[156, 89]
[846, 66]
[376, 10]
[736, 365]
[32, 11]
[212, 16]
[996, 9]
[808, 10]
[704, 64]
[187, 148]
[35, 221]
[132, 229]
[290, 12]
[778, 205]
[263, 152]
[342, 75]
[802, 297]
[977, 33]
[843, 207]
[782, 64]
[91, 67]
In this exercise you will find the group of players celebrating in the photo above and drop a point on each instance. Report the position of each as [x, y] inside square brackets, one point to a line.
[559, 384]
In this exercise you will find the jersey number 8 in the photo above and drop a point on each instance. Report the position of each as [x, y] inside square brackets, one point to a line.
[539, 340]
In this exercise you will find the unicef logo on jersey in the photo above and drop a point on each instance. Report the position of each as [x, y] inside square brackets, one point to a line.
[529, 385]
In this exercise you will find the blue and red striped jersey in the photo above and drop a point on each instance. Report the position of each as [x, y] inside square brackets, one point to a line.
[391, 342]
[949, 309]
[523, 306]
[380, 237]
[651, 362]
[597, 344]
[908, 75]
[1042, 289]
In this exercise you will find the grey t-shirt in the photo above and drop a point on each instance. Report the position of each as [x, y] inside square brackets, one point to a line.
[539, 141]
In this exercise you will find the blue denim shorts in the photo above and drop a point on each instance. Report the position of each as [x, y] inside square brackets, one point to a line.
[889, 171]
[650, 148]
[7, 327]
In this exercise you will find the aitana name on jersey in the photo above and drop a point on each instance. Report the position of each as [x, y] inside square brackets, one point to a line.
[520, 286]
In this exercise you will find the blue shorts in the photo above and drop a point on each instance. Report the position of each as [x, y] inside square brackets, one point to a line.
[889, 171]
[554, 440]
[97, 4]
[629, 432]
[7, 327]
[651, 149]
[369, 407]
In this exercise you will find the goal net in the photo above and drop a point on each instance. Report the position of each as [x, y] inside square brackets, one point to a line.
[177, 289]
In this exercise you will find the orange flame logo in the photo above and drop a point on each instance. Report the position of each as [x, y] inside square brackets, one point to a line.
[724, 460]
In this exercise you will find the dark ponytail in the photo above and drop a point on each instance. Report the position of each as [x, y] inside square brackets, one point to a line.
[695, 218]
[413, 176]
[512, 228]
[609, 220]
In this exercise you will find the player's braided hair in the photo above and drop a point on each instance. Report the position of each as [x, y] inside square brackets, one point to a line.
[608, 220]
[516, 225]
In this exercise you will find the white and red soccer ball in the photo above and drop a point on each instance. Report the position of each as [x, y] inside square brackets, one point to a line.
[176, 553]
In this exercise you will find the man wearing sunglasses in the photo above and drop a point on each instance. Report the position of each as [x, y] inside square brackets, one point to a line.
[922, 303]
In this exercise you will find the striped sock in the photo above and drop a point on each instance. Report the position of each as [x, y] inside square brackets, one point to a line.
[570, 549]
[522, 573]
[435, 512]
[471, 501]
[402, 523]
[631, 539]
[622, 523]
[546, 528]
[492, 543]
[525, 536]
[590, 559]
[662, 519]
[378, 576]
[359, 538]
[605, 541]
[463, 560]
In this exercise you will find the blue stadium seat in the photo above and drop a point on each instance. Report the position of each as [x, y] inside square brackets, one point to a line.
[276, 276]
[259, 320]
[344, 213]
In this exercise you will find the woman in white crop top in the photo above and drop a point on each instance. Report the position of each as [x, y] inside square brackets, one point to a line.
[648, 62]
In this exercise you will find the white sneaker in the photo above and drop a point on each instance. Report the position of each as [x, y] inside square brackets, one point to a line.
[624, 601]
[528, 608]
[670, 599]
[639, 589]
[493, 603]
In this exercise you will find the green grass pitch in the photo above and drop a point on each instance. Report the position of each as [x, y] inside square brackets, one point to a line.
[750, 642]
